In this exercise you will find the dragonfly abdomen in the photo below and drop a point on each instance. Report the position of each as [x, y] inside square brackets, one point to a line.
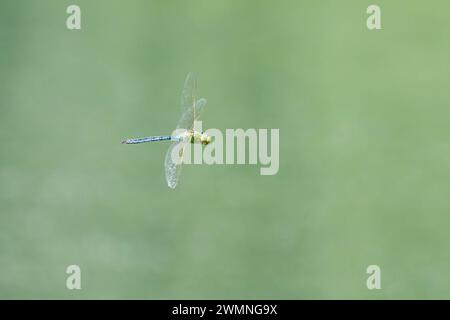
[147, 139]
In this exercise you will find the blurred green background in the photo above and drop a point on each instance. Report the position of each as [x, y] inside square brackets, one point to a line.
[364, 150]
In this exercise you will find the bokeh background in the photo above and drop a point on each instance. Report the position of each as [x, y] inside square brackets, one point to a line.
[364, 151]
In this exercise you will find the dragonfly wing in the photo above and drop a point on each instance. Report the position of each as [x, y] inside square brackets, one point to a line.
[191, 107]
[188, 95]
[191, 114]
[173, 163]
[199, 106]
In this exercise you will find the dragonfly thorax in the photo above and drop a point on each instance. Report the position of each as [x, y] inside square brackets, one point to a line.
[193, 136]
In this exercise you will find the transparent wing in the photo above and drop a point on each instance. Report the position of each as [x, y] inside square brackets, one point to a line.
[191, 108]
[173, 162]
[193, 113]
[188, 95]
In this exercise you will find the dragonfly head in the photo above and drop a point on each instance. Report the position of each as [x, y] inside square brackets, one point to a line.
[205, 139]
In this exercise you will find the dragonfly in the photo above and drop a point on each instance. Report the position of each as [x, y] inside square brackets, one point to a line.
[184, 134]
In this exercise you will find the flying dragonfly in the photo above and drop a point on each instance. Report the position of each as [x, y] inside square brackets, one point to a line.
[184, 134]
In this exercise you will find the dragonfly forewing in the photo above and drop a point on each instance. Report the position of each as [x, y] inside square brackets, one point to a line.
[188, 94]
[191, 114]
